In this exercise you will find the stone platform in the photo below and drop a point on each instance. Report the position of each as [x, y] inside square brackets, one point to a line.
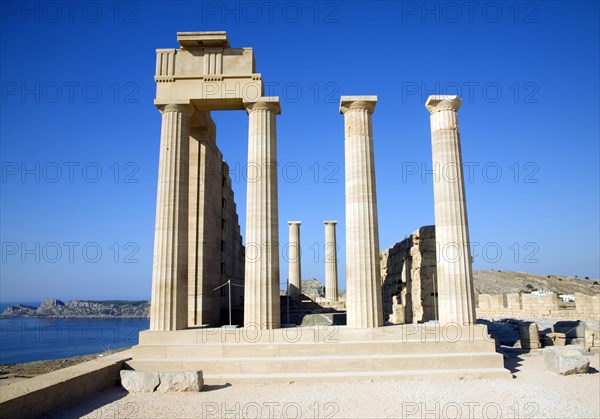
[323, 353]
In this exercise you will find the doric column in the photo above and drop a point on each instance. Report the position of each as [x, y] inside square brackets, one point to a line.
[295, 278]
[331, 274]
[169, 275]
[454, 275]
[261, 293]
[363, 300]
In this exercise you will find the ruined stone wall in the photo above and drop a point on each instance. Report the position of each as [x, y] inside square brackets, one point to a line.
[408, 272]
[215, 243]
[528, 305]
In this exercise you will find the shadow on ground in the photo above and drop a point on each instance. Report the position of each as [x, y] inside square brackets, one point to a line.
[98, 403]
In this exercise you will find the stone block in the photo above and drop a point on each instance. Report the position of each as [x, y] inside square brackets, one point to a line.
[554, 339]
[529, 335]
[139, 381]
[565, 361]
[571, 329]
[180, 381]
[592, 338]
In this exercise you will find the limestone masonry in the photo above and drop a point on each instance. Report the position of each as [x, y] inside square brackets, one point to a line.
[198, 247]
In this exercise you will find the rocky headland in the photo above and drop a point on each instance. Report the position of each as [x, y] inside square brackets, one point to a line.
[55, 308]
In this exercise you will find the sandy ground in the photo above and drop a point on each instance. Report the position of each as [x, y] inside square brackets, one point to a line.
[533, 392]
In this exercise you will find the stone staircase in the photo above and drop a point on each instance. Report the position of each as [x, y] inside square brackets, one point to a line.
[322, 353]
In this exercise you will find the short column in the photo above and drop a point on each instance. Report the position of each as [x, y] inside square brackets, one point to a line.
[261, 292]
[168, 309]
[294, 254]
[454, 271]
[363, 299]
[331, 273]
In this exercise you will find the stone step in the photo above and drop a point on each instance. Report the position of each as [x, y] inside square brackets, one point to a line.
[322, 353]
[319, 334]
[322, 364]
[388, 347]
[474, 373]
[469, 373]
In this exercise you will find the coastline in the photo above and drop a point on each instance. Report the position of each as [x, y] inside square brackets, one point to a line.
[11, 373]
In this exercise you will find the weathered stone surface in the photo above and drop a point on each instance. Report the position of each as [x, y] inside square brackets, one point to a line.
[261, 289]
[407, 272]
[363, 285]
[592, 338]
[180, 381]
[565, 361]
[313, 288]
[139, 381]
[331, 273]
[454, 272]
[295, 275]
[529, 335]
[554, 339]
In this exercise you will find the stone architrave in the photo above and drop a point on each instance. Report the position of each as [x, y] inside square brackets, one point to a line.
[261, 293]
[168, 309]
[454, 271]
[363, 299]
[295, 278]
[331, 271]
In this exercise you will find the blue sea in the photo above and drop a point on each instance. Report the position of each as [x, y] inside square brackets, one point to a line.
[27, 339]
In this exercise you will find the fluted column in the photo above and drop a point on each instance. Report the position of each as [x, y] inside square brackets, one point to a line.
[454, 272]
[331, 274]
[363, 282]
[295, 278]
[169, 275]
[261, 293]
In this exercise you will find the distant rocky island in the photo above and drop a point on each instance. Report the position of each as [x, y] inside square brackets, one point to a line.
[53, 307]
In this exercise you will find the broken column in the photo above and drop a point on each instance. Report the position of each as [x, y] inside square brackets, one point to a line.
[363, 299]
[331, 274]
[454, 272]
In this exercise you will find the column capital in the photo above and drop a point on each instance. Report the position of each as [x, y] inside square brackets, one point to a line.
[294, 222]
[357, 102]
[185, 108]
[270, 103]
[436, 103]
[330, 222]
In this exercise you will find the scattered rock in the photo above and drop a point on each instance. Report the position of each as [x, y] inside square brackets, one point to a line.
[313, 288]
[163, 382]
[565, 361]
[139, 381]
[180, 381]
[554, 339]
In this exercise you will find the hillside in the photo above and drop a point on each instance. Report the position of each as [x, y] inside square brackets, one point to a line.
[501, 282]
[486, 282]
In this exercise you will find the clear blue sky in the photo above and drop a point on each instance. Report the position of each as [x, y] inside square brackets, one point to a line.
[80, 135]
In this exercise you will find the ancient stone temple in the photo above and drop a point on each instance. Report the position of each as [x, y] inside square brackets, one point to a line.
[201, 269]
[198, 245]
